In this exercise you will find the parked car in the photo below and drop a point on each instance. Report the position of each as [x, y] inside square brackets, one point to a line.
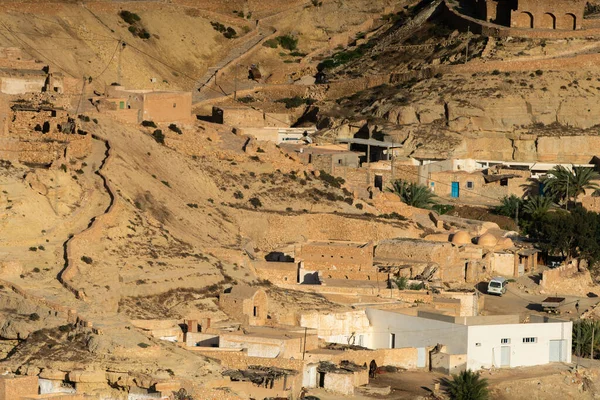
[497, 286]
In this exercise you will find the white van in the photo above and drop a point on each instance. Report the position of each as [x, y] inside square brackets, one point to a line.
[497, 286]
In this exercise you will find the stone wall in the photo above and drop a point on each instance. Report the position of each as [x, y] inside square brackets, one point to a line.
[591, 203]
[551, 278]
[464, 22]
[540, 14]
[13, 387]
[337, 256]
[276, 272]
[361, 181]
[167, 107]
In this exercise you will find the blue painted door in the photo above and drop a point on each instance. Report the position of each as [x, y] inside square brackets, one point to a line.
[455, 189]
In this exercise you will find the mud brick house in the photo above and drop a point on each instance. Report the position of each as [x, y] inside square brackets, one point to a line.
[20, 81]
[246, 304]
[533, 14]
[136, 106]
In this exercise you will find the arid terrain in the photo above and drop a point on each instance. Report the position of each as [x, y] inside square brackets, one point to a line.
[114, 236]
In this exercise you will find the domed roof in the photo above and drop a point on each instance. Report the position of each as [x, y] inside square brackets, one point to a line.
[461, 237]
[506, 242]
[487, 240]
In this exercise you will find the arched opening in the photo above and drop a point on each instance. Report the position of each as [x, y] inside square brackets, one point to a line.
[525, 20]
[570, 21]
[548, 21]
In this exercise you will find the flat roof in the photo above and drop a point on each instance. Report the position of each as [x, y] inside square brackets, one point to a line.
[293, 332]
[370, 142]
[336, 243]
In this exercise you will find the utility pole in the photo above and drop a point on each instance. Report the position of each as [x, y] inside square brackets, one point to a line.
[467, 49]
[592, 344]
[392, 157]
[578, 333]
[121, 48]
[567, 202]
[235, 83]
[304, 349]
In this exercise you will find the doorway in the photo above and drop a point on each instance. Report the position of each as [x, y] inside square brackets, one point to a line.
[556, 351]
[321, 379]
[455, 190]
[505, 356]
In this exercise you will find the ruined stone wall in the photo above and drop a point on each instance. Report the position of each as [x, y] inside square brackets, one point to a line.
[359, 180]
[21, 85]
[441, 253]
[346, 257]
[551, 278]
[269, 347]
[276, 272]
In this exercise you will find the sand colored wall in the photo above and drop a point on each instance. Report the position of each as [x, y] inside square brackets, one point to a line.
[340, 327]
[553, 277]
[242, 309]
[167, 106]
[339, 383]
[15, 387]
[338, 256]
[565, 14]
[448, 363]
[276, 272]
[268, 347]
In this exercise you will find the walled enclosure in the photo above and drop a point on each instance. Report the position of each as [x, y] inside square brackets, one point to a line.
[345, 256]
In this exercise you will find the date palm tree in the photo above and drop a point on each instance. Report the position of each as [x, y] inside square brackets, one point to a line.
[564, 184]
[413, 194]
[537, 206]
[467, 385]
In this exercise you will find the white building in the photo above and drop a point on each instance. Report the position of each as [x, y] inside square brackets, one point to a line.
[474, 342]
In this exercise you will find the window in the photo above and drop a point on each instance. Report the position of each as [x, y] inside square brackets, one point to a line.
[504, 182]
[529, 340]
[477, 344]
[470, 185]
[255, 311]
[174, 105]
[392, 340]
[505, 341]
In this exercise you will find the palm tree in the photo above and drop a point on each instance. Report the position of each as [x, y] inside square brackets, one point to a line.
[467, 385]
[537, 206]
[583, 331]
[413, 194]
[565, 184]
[509, 205]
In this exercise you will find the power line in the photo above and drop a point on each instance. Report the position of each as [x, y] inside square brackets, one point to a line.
[208, 87]
[109, 61]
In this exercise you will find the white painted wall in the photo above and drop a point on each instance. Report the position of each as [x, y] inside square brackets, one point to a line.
[487, 355]
[414, 332]
[15, 85]
[342, 327]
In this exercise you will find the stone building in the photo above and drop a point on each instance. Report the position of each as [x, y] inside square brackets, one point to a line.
[533, 14]
[247, 304]
[21, 81]
[136, 106]
[336, 255]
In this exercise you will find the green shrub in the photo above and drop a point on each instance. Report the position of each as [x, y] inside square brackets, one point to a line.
[272, 43]
[149, 124]
[143, 345]
[34, 317]
[129, 17]
[238, 195]
[33, 248]
[296, 101]
[255, 202]
[87, 260]
[175, 129]
[402, 282]
[334, 181]
[288, 42]
[246, 99]
[158, 136]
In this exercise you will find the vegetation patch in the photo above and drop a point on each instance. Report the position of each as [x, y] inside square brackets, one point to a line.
[227, 31]
[135, 26]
